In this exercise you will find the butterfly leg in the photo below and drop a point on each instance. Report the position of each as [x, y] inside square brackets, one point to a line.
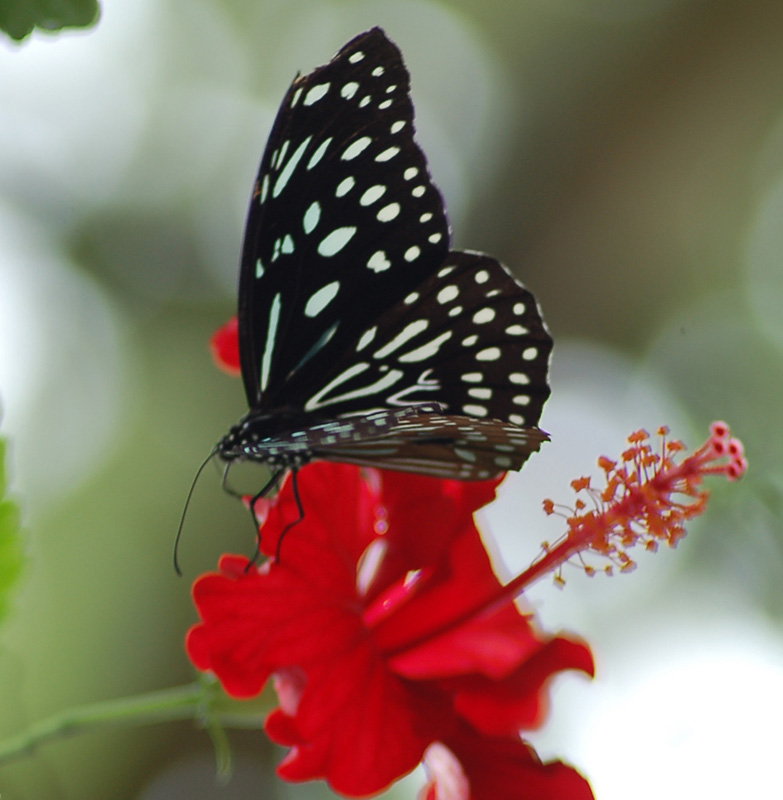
[300, 510]
[265, 489]
[224, 482]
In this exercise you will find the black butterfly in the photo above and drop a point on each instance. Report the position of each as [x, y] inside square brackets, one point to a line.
[362, 337]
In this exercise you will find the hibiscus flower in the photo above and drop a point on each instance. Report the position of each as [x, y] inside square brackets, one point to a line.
[370, 622]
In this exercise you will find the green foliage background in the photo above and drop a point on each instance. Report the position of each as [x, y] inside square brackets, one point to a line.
[18, 18]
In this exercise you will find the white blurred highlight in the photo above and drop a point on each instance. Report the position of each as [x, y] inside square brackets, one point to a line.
[61, 363]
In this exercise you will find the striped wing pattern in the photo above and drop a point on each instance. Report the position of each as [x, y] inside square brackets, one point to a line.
[362, 337]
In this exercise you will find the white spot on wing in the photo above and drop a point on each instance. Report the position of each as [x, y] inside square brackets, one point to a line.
[311, 217]
[356, 148]
[372, 194]
[426, 351]
[488, 354]
[475, 410]
[336, 240]
[269, 344]
[447, 294]
[356, 57]
[387, 154]
[316, 93]
[378, 262]
[483, 316]
[408, 332]
[345, 186]
[319, 153]
[367, 337]
[277, 158]
[412, 253]
[349, 90]
[320, 299]
[388, 213]
[383, 383]
[288, 170]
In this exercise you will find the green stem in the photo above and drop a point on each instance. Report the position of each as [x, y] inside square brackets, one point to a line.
[182, 702]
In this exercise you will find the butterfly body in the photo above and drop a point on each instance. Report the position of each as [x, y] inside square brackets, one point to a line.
[363, 338]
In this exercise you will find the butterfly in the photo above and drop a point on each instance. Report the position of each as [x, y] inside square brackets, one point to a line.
[362, 337]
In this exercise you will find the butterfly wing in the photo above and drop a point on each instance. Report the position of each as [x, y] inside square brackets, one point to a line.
[362, 337]
[469, 338]
[415, 439]
[439, 445]
[343, 222]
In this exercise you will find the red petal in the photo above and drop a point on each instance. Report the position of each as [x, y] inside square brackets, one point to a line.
[422, 640]
[339, 514]
[509, 769]
[518, 702]
[224, 346]
[358, 726]
[256, 622]
[281, 728]
[426, 514]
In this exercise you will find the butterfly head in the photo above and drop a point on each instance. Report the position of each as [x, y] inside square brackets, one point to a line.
[230, 446]
[258, 437]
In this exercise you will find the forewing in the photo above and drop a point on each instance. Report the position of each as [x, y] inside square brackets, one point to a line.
[344, 221]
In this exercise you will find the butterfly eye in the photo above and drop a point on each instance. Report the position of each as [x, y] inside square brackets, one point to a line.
[362, 337]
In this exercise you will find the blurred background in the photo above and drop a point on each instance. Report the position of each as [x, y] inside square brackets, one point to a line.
[625, 159]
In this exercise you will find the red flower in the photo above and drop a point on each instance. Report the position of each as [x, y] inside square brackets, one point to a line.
[224, 346]
[371, 623]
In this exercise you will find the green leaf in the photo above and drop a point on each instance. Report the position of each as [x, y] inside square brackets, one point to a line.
[11, 555]
[18, 18]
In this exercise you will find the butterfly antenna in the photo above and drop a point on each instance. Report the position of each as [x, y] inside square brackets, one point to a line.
[175, 558]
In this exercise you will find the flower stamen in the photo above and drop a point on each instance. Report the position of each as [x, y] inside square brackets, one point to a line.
[647, 499]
